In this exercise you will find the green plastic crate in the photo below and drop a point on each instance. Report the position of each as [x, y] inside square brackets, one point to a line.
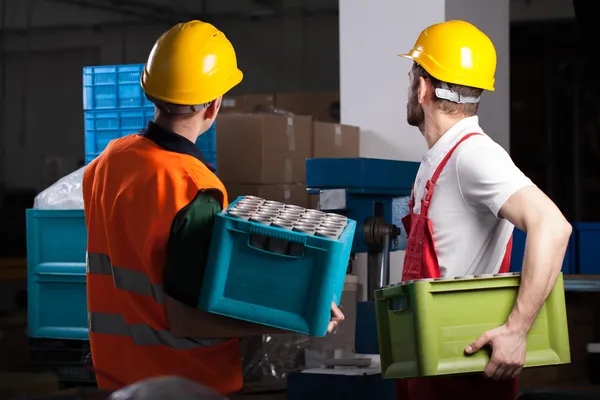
[424, 326]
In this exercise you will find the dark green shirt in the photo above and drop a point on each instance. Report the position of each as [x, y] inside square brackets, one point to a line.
[188, 248]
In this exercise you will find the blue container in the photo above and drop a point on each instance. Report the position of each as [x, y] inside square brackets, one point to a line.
[518, 253]
[207, 143]
[588, 243]
[287, 292]
[56, 285]
[113, 86]
[363, 174]
[103, 126]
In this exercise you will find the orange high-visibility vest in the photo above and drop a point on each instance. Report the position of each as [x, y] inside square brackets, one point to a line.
[132, 192]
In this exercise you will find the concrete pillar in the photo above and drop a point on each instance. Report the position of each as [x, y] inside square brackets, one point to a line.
[374, 81]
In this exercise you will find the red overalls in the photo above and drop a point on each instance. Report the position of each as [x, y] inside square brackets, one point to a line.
[421, 262]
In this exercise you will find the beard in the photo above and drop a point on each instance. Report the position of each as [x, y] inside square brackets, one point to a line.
[415, 116]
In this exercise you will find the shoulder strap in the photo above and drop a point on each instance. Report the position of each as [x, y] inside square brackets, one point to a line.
[442, 165]
[426, 200]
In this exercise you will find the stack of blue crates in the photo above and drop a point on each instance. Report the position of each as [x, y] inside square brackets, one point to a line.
[115, 105]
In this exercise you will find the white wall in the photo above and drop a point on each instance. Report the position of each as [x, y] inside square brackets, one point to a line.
[293, 53]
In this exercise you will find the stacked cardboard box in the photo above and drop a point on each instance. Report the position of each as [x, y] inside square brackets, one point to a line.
[265, 154]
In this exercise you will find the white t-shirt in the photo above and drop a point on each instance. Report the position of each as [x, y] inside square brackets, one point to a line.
[469, 236]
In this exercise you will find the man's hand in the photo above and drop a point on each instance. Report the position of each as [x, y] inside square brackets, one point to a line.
[508, 352]
[336, 317]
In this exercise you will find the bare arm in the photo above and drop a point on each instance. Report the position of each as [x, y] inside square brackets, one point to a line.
[548, 234]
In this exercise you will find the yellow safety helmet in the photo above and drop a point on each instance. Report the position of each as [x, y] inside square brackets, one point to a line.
[456, 52]
[191, 64]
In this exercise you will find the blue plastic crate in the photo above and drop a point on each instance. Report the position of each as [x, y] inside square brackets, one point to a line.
[283, 291]
[518, 253]
[113, 86]
[587, 243]
[207, 142]
[56, 284]
[103, 126]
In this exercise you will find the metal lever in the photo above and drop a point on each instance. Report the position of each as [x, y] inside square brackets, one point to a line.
[384, 270]
[378, 234]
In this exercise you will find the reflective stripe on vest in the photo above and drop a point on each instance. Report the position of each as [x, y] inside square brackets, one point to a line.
[138, 283]
[125, 279]
[142, 334]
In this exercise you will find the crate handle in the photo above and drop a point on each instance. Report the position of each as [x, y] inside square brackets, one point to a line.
[275, 254]
[398, 303]
[276, 234]
[259, 231]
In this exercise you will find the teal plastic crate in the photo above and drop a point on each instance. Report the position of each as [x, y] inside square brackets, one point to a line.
[56, 283]
[113, 86]
[288, 292]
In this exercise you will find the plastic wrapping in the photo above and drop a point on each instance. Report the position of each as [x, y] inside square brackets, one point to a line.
[64, 194]
[268, 359]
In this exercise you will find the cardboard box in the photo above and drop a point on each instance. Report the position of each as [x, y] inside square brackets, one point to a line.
[263, 149]
[322, 106]
[335, 140]
[288, 194]
[245, 103]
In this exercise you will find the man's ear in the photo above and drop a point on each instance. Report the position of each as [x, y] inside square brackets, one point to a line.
[424, 88]
[213, 109]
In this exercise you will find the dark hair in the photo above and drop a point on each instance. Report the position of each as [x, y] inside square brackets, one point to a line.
[447, 106]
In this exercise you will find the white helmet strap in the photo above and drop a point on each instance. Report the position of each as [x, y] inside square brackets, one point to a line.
[446, 93]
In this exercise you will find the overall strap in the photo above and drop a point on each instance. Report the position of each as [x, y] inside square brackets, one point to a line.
[426, 200]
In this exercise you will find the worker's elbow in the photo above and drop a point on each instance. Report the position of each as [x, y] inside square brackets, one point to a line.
[562, 231]
[567, 229]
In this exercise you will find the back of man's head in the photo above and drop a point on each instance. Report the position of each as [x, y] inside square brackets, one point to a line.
[166, 388]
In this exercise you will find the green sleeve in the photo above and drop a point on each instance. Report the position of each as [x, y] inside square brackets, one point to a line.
[188, 247]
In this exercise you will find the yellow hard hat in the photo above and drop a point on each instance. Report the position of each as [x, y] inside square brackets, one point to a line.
[192, 64]
[456, 52]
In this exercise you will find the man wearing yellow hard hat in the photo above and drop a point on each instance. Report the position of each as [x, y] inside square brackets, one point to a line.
[150, 202]
[467, 198]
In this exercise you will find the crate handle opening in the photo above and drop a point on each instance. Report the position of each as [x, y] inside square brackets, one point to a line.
[257, 235]
[278, 233]
[399, 303]
[276, 247]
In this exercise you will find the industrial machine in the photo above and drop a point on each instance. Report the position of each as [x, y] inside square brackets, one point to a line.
[375, 193]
